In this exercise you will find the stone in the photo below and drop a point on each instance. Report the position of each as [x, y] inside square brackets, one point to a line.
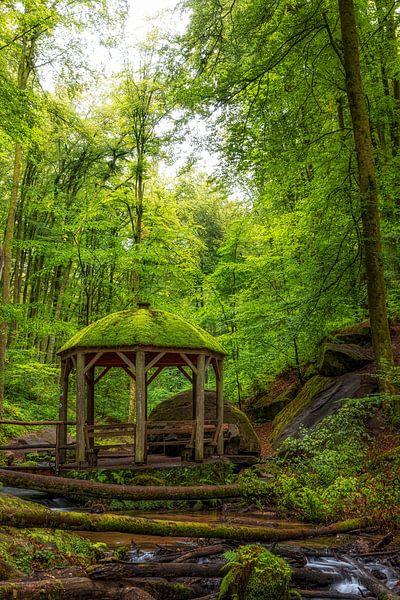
[319, 398]
[179, 408]
[338, 359]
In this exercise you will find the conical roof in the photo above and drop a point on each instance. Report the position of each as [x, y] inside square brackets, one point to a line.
[143, 326]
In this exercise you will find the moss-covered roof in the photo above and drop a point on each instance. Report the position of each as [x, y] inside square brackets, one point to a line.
[143, 327]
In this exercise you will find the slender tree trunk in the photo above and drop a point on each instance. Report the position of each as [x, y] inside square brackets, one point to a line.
[8, 243]
[369, 195]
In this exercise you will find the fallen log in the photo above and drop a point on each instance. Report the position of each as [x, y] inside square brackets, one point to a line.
[125, 570]
[201, 552]
[70, 588]
[77, 488]
[18, 513]
[327, 594]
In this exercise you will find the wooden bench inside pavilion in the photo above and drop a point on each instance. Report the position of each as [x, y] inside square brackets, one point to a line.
[142, 342]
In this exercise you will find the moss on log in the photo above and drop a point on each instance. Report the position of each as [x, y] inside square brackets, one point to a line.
[73, 488]
[70, 588]
[18, 513]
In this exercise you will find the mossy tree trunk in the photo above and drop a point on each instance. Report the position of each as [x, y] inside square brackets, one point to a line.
[17, 513]
[73, 488]
[367, 176]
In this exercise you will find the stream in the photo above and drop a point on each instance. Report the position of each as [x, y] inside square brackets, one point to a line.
[323, 554]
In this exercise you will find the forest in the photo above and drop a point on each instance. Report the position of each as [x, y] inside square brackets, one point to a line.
[233, 169]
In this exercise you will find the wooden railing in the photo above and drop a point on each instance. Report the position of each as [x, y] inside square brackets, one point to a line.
[57, 447]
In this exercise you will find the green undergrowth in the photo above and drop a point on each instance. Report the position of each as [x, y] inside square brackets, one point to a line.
[203, 474]
[326, 474]
[209, 474]
[24, 551]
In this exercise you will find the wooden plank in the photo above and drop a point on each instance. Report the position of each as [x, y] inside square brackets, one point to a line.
[93, 361]
[127, 361]
[188, 361]
[35, 423]
[38, 447]
[155, 360]
[220, 408]
[199, 436]
[80, 409]
[140, 437]
[89, 404]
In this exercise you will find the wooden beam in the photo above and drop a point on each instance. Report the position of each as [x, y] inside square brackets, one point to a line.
[101, 375]
[92, 362]
[154, 375]
[220, 408]
[61, 430]
[199, 438]
[155, 360]
[185, 373]
[208, 360]
[80, 408]
[216, 367]
[127, 361]
[125, 368]
[188, 361]
[140, 438]
[90, 401]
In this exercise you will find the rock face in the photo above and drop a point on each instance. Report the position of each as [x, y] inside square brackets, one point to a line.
[264, 407]
[319, 398]
[338, 359]
[179, 408]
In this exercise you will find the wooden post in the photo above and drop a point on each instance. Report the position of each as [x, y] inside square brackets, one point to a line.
[199, 439]
[90, 401]
[61, 431]
[80, 408]
[140, 440]
[219, 377]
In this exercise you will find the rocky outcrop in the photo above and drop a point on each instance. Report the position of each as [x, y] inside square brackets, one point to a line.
[266, 403]
[179, 408]
[338, 359]
[319, 398]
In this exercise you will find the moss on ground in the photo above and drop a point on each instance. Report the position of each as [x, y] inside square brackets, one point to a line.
[256, 574]
[144, 327]
[24, 551]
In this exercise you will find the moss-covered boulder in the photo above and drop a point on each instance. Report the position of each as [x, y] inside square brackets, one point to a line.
[256, 574]
[319, 398]
[179, 408]
[359, 334]
[338, 359]
[265, 406]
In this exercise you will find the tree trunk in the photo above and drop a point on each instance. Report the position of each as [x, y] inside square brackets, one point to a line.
[8, 243]
[74, 488]
[369, 195]
[14, 513]
[121, 570]
[71, 588]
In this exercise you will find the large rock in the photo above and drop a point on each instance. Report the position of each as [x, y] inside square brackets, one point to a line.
[179, 408]
[319, 398]
[265, 406]
[359, 334]
[338, 359]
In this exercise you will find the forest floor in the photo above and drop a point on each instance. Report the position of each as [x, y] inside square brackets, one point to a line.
[263, 430]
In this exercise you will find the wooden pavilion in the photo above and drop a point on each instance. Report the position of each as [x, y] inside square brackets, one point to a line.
[142, 342]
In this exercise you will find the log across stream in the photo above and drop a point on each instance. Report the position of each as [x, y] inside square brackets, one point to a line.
[322, 559]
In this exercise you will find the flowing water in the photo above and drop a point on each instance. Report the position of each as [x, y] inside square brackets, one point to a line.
[143, 548]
